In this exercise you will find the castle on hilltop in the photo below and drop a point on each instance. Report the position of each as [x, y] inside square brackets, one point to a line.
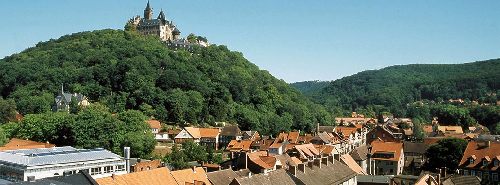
[165, 30]
[161, 27]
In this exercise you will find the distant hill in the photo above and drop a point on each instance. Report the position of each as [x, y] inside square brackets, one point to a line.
[308, 87]
[392, 88]
[124, 70]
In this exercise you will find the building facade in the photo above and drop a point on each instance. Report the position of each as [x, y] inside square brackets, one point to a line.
[39, 163]
[160, 26]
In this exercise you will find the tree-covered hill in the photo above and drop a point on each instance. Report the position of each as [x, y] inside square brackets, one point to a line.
[123, 70]
[392, 88]
[310, 87]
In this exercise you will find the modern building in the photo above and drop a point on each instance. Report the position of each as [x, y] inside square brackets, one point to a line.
[39, 163]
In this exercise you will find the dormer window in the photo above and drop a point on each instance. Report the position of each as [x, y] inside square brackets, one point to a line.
[485, 163]
[495, 163]
[471, 160]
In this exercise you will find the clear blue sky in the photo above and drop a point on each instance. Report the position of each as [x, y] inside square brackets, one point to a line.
[293, 40]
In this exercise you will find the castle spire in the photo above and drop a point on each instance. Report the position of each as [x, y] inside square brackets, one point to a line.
[148, 12]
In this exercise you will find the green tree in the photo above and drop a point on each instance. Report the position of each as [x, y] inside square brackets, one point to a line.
[194, 151]
[3, 137]
[177, 158]
[7, 110]
[446, 153]
[53, 127]
[418, 131]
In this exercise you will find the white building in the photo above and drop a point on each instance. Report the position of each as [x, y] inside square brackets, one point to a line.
[39, 163]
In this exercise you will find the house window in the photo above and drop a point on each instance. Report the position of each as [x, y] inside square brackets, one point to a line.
[95, 171]
[471, 161]
[466, 172]
[373, 136]
[108, 169]
[495, 162]
[479, 174]
[120, 168]
[495, 176]
[391, 171]
[485, 162]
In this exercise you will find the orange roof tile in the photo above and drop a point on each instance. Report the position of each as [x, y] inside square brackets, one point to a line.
[209, 132]
[387, 147]
[195, 132]
[480, 151]
[451, 129]
[262, 159]
[307, 150]
[349, 161]
[346, 131]
[157, 176]
[154, 124]
[16, 144]
[189, 176]
[239, 145]
[293, 137]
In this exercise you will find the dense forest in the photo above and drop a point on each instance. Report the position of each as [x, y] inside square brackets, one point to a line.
[417, 90]
[125, 71]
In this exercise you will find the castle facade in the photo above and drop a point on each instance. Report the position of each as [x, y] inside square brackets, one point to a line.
[160, 27]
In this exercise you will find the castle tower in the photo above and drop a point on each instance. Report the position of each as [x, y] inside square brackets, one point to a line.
[148, 12]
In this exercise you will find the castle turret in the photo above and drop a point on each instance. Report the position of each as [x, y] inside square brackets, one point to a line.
[161, 16]
[176, 34]
[148, 12]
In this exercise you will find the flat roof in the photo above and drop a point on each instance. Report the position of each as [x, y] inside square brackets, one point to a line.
[55, 155]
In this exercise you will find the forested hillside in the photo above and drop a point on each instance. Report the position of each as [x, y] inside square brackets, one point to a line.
[396, 86]
[123, 71]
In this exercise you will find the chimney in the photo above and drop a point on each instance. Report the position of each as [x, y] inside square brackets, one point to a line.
[292, 170]
[246, 160]
[113, 176]
[488, 144]
[126, 153]
[302, 167]
[317, 128]
[439, 177]
[317, 162]
[193, 168]
[324, 160]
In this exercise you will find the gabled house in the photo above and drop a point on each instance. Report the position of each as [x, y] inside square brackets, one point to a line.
[63, 100]
[154, 125]
[481, 159]
[250, 135]
[209, 137]
[388, 158]
[382, 133]
[360, 155]
[414, 156]
[188, 134]
[229, 133]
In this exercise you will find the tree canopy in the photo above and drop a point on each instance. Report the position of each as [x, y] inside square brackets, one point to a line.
[127, 71]
[446, 153]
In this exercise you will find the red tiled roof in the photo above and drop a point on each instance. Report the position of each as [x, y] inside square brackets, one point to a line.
[16, 144]
[293, 137]
[157, 176]
[387, 147]
[239, 145]
[187, 176]
[154, 124]
[480, 151]
[209, 132]
[261, 159]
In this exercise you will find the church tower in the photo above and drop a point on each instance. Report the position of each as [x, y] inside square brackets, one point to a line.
[148, 12]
